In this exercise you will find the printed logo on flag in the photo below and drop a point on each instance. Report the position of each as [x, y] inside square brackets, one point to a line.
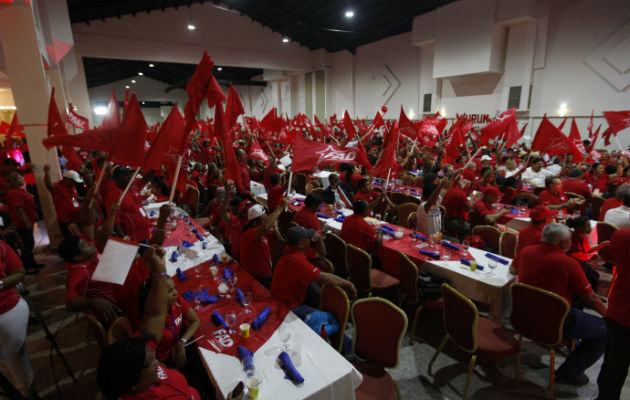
[331, 154]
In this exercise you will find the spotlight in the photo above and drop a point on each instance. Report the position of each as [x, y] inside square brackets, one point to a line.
[285, 40]
[100, 110]
[191, 27]
[151, 65]
[140, 73]
[349, 14]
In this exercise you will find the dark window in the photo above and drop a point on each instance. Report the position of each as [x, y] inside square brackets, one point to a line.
[426, 105]
[514, 99]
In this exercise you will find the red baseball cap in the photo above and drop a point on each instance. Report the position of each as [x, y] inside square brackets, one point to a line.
[490, 190]
[541, 213]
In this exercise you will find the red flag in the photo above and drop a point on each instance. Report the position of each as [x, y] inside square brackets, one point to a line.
[56, 127]
[197, 86]
[512, 134]
[126, 104]
[429, 133]
[214, 93]
[15, 129]
[455, 138]
[129, 146]
[564, 121]
[271, 122]
[595, 137]
[549, 139]
[169, 136]
[232, 169]
[388, 156]
[76, 120]
[405, 126]
[256, 152]
[112, 117]
[349, 125]
[617, 120]
[589, 127]
[499, 125]
[575, 133]
[378, 120]
[233, 107]
[308, 154]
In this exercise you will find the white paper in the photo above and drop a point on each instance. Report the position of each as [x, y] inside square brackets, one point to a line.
[115, 262]
[286, 161]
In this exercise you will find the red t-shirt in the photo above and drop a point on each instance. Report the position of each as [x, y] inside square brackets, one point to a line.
[619, 299]
[367, 197]
[171, 384]
[547, 267]
[9, 262]
[234, 231]
[612, 202]
[79, 281]
[131, 215]
[255, 256]
[529, 236]
[21, 198]
[275, 196]
[483, 208]
[291, 278]
[456, 202]
[307, 218]
[580, 247]
[172, 331]
[577, 187]
[127, 295]
[547, 198]
[599, 182]
[356, 231]
[66, 202]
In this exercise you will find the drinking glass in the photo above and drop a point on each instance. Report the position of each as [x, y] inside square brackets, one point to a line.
[247, 301]
[230, 319]
[198, 298]
[284, 334]
[248, 369]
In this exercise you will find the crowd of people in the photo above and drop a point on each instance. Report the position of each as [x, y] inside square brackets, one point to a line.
[553, 252]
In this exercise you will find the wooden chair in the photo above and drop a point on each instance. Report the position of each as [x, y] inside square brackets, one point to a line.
[543, 328]
[398, 197]
[605, 231]
[475, 219]
[119, 329]
[337, 252]
[490, 235]
[507, 244]
[366, 279]
[334, 300]
[404, 210]
[412, 199]
[476, 335]
[596, 202]
[530, 198]
[318, 191]
[410, 294]
[412, 221]
[324, 264]
[97, 330]
[379, 327]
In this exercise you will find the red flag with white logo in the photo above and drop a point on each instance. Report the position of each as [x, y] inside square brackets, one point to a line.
[56, 127]
[308, 154]
[256, 152]
[617, 120]
[549, 139]
[349, 125]
[76, 120]
[405, 126]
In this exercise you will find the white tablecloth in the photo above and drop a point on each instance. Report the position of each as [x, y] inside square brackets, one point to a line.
[323, 176]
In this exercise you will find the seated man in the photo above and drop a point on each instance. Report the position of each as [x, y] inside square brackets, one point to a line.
[356, 231]
[620, 216]
[535, 175]
[294, 274]
[457, 205]
[335, 195]
[574, 184]
[131, 221]
[371, 197]
[531, 235]
[554, 198]
[307, 217]
[548, 267]
[484, 207]
[614, 202]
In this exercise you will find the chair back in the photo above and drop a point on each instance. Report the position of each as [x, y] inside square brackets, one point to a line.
[528, 320]
[412, 221]
[318, 191]
[461, 317]
[398, 197]
[530, 198]
[334, 300]
[507, 244]
[300, 183]
[119, 329]
[404, 210]
[408, 278]
[571, 195]
[324, 265]
[359, 267]
[596, 203]
[379, 327]
[490, 235]
[412, 199]
[605, 231]
[475, 219]
[95, 326]
[212, 190]
[336, 252]
[284, 221]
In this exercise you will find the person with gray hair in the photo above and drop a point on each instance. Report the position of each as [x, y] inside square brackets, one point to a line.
[546, 266]
[620, 216]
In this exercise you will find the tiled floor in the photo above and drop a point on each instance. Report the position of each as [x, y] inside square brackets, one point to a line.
[446, 381]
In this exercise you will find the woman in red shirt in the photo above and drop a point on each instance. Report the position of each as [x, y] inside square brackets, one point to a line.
[13, 321]
[23, 215]
[596, 177]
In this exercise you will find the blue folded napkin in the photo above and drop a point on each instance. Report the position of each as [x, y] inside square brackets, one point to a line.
[389, 228]
[514, 211]
[247, 357]
[174, 256]
[218, 320]
[261, 318]
[340, 218]
[449, 245]
[300, 200]
[287, 366]
[429, 253]
[152, 213]
[497, 258]
[215, 259]
[227, 274]
[206, 298]
[189, 295]
[194, 230]
[319, 215]
[199, 236]
[467, 262]
[181, 275]
[240, 297]
[187, 244]
[204, 245]
[418, 236]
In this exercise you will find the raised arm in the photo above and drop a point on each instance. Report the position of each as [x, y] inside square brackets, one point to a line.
[152, 323]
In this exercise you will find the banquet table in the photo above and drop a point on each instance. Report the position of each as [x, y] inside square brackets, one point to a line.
[327, 374]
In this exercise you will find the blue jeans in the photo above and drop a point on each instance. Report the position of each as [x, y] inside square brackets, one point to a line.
[591, 330]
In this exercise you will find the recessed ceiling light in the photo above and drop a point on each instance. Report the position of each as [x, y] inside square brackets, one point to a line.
[126, 86]
[191, 27]
[133, 81]
[100, 110]
[219, 68]
[140, 73]
[285, 40]
[151, 65]
[349, 14]
[143, 102]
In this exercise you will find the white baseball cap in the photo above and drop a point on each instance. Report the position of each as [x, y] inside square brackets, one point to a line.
[74, 175]
[255, 211]
[486, 157]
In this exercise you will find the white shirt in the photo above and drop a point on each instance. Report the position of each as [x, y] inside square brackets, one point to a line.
[535, 178]
[620, 217]
[554, 169]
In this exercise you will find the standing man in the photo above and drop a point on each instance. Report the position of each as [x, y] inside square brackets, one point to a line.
[65, 198]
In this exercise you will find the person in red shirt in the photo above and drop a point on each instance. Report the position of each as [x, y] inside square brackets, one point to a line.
[294, 274]
[617, 356]
[484, 206]
[596, 178]
[457, 205]
[65, 198]
[554, 198]
[574, 184]
[546, 266]
[255, 252]
[23, 215]
[128, 368]
[13, 322]
[132, 220]
[540, 216]
[371, 197]
[307, 215]
[170, 349]
[245, 178]
[357, 231]
[276, 192]
[614, 202]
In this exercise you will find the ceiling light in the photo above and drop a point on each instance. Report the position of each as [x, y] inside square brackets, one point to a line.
[191, 27]
[7, 107]
[133, 81]
[285, 40]
[563, 110]
[349, 14]
[126, 86]
[140, 73]
[219, 68]
[144, 102]
[151, 65]
[100, 110]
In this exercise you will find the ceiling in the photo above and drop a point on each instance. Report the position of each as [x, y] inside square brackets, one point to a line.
[316, 24]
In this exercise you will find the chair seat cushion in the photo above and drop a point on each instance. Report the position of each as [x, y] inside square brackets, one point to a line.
[494, 342]
[377, 383]
[382, 280]
[434, 304]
